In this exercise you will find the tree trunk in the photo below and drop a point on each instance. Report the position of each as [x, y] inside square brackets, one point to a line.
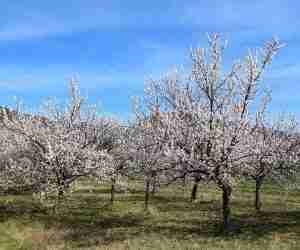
[184, 181]
[61, 190]
[154, 186]
[60, 180]
[112, 190]
[258, 184]
[153, 190]
[226, 206]
[184, 185]
[147, 192]
[60, 193]
[194, 190]
[59, 199]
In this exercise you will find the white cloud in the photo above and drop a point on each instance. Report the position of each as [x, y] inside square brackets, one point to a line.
[43, 18]
[261, 15]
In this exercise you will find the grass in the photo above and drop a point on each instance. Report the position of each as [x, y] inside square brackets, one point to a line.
[86, 220]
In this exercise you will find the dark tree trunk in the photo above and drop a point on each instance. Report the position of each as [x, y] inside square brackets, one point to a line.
[184, 180]
[112, 190]
[153, 190]
[61, 189]
[184, 185]
[61, 180]
[194, 190]
[59, 199]
[226, 206]
[60, 193]
[147, 192]
[258, 184]
[154, 186]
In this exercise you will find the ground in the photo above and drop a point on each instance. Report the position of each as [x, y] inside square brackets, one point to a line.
[86, 220]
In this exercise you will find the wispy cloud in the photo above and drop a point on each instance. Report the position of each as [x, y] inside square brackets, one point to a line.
[40, 19]
[116, 44]
[20, 20]
[36, 23]
[264, 16]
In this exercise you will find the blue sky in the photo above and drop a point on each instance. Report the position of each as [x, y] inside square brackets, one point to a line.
[113, 46]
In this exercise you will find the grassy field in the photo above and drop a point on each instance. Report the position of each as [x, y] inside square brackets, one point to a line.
[85, 220]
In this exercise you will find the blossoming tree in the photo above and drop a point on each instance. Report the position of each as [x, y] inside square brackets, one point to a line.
[212, 112]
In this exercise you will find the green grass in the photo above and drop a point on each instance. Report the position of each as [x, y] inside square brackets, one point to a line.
[85, 220]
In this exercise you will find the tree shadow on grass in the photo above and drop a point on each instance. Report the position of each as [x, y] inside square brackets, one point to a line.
[85, 232]
[170, 198]
[88, 231]
[90, 226]
[88, 222]
[256, 226]
[92, 191]
[130, 198]
[186, 206]
[153, 199]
